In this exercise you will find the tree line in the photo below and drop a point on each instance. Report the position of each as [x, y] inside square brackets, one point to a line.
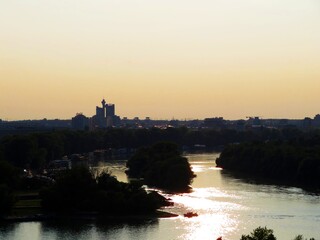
[35, 150]
[286, 154]
[79, 190]
[294, 161]
[264, 233]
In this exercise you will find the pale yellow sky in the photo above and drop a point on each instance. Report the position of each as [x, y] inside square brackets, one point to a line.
[162, 59]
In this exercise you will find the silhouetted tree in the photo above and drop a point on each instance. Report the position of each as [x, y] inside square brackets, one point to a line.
[77, 190]
[292, 161]
[260, 233]
[161, 165]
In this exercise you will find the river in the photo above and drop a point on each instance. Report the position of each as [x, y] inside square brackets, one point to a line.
[227, 207]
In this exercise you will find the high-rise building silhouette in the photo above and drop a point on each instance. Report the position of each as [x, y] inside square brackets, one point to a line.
[105, 115]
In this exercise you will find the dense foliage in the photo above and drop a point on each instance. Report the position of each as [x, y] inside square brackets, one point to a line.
[77, 190]
[35, 150]
[161, 165]
[9, 178]
[263, 233]
[296, 161]
[260, 233]
[6, 199]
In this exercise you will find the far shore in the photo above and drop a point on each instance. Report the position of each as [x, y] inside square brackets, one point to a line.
[87, 216]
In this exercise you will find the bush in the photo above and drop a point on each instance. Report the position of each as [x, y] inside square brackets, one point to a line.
[260, 234]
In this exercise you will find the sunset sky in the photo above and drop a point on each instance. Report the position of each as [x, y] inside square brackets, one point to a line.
[161, 59]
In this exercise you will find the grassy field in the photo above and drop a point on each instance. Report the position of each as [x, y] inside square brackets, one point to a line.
[27, 203]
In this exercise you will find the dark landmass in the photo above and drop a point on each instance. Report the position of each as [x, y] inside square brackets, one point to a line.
[294, 162]
[78, 191]
[36, 150]
[294, 153]
[263, 233]
[162, 166]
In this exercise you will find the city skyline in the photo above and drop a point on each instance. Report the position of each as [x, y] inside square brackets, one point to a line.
[163, 60]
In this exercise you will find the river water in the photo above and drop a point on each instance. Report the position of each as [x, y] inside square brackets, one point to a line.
[227, 207]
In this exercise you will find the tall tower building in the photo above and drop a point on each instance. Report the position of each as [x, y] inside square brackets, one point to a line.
[100, 118]
[103, 102]
[105, 115]
[110, 110]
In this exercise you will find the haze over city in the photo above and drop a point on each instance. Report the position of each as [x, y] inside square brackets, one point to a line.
[164, 59]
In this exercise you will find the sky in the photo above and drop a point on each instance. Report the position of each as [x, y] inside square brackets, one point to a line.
[181, 59]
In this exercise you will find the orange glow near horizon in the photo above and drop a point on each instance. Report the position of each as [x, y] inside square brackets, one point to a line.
[168, 59]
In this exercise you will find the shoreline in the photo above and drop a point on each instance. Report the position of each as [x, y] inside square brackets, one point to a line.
[87, 216]
[259, 180]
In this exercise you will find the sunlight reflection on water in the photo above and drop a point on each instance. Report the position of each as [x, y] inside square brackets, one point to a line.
[226, 206]
[216, 209]
[229, 207]
[215, 213]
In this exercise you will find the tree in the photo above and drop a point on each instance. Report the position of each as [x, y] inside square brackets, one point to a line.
[300, 237]
[259, 233]
[161, 165]
[19, 150]
[78, 190]
[9, 177]
[6, 199]
[72, 191]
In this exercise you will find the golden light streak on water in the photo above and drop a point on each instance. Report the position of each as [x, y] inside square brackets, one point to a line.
[209, 226]
[216, 209]
[214, 218]
[227, 207]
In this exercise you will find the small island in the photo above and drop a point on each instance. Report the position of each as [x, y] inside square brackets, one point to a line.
[161, 166]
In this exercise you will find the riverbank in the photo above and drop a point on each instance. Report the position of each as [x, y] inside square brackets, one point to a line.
[295, 162]
[262, 180]
[227, 207]
[87, 216]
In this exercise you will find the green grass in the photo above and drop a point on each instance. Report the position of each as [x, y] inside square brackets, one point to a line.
[34, 203]
[27, 203]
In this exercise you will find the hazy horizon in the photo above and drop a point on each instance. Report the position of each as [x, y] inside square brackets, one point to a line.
[159, 119]
[163, 60]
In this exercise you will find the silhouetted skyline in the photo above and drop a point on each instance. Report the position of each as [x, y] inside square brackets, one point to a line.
[160, 59]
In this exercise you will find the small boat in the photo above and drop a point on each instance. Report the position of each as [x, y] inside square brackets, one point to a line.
[190, 214]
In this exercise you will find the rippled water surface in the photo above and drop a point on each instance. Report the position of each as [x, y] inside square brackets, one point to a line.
[226, 206]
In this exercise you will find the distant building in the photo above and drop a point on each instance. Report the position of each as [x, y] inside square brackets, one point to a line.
[240, 125]
[105, 116]
[216, 123]
[254, 122]
[316, 121]
[110, 110]
[80, 122]
[307, 123]
[58, 165]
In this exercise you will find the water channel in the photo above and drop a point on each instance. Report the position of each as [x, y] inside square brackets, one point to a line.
[227, 207]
